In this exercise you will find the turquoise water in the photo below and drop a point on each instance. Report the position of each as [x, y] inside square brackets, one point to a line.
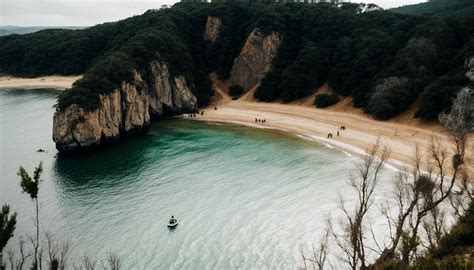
[245, 198]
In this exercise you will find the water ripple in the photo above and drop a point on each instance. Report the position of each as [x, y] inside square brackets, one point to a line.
[245, 198]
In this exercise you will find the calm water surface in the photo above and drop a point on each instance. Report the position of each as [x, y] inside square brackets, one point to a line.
[245, 198]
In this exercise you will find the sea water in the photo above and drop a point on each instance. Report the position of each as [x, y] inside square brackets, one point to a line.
[244, 198]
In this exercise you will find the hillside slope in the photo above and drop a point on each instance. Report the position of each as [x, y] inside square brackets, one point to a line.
[436, 7]
[11, 29]
[385, 61]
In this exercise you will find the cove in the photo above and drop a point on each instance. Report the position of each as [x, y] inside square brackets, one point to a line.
[245, 198]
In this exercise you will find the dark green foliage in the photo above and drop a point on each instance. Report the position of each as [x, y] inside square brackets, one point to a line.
[438, 7]
[461, 236]
[9, 29]
[234, 30]
[326, 100]
[7, 225]
[28, 184]
[306, 74]
[85, 98]
[108, 54]
[382, 103]
[236, 91]
[447, 263]
[438, 95]
[31, 186]
[202, 88]
[455, 251]
[357, 53]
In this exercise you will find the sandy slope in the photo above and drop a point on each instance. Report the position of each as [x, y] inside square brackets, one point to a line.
[51, 82]
[308, 122]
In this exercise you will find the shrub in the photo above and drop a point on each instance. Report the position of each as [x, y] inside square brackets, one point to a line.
[461, 235]
[438, 95]
[383, 104]
[326, 100]
[236, 90]
[447, 263]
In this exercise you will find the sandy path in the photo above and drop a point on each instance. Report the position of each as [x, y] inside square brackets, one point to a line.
[361, 131]
[51, 82]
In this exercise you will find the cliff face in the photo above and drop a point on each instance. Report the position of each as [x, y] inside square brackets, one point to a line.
[154, 93]
[212, 30]
[255, 59]
[125, 111]
[470, 68]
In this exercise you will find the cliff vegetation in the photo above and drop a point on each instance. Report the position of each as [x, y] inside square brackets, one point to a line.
[385, 60]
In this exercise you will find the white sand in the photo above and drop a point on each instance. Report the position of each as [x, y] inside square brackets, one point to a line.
[312, 123]
[45, 82]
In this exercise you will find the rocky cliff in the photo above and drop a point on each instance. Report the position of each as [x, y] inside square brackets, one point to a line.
[470, 68]
[212, 30]
[125, 111]
[255, 59]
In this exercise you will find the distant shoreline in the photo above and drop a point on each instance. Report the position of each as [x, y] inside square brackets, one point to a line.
[46, 82]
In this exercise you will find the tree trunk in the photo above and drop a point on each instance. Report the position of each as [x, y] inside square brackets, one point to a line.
[37, 235]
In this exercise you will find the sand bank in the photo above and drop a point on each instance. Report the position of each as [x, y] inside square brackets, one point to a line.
[311, 123]
[45, 82]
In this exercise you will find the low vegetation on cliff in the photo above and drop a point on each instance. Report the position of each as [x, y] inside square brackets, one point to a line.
[326, 100]
[385, 60]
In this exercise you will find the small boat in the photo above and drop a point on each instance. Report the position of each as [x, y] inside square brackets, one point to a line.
[173, 225]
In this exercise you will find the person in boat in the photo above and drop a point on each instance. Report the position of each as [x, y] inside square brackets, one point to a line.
[172, 220]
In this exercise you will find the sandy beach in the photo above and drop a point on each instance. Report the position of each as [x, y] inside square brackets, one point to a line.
[303, 120]
[45, 82]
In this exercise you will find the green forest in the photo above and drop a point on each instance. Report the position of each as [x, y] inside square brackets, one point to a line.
[385, 59]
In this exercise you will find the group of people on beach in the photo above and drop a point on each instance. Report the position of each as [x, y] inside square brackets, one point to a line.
[341, 128]
[198, 113]
[195, 114]
[258, 120]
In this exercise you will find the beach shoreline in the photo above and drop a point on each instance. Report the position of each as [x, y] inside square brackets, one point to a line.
[45, 82]
[347, 149]
[314, 124]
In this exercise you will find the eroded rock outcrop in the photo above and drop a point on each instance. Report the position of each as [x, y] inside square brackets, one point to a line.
[470, 68]
[255, 59]
[213, 26]
[125, 111]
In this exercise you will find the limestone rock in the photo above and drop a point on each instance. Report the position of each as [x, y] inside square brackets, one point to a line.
[255, 59]
[125, 111]
[135, 116]
[75, 129]
[213, 27]
[183, 98]
[110, 115]
[470, 68]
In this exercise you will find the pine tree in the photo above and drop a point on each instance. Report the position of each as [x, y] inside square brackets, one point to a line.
[31, 186]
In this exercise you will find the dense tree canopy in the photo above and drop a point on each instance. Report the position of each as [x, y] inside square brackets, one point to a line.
[438, 7]
[384, 60]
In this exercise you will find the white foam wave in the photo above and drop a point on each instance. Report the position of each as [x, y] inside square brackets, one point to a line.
[347, 149]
